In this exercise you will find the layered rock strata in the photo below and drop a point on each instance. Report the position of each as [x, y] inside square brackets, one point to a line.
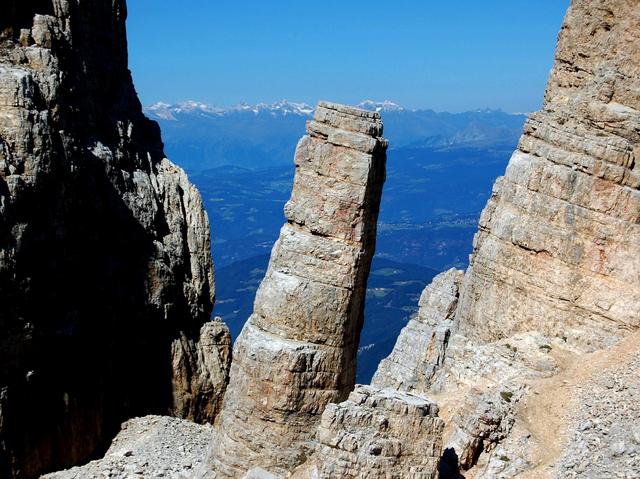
[478, 385]
[105, 269]
[557, 248]
[297, 351]
[554, 272]
[378, 434]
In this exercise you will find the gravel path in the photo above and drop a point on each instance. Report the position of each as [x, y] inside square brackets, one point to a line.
[606, 439]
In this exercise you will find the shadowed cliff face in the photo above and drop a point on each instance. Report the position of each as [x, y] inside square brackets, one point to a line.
[18, 14]
[105, 271]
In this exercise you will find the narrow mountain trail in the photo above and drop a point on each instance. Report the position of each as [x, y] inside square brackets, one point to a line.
[555, 409]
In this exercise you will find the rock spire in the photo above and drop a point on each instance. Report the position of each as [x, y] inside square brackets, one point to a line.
[298, 349]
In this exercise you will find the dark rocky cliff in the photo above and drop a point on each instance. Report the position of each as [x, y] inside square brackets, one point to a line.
[105, 271]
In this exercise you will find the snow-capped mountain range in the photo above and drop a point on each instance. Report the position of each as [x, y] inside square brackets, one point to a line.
[199, 136]
[171, 112]
[380, 106]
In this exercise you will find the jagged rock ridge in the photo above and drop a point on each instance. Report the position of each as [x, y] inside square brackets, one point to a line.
[105, 267]
[297, 351]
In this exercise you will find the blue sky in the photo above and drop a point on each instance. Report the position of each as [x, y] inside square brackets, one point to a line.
[450, 55]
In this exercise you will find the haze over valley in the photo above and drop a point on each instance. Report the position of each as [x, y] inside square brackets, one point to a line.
[440, 171]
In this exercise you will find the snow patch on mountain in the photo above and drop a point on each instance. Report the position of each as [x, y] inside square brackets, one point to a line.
[380, 106]
[171, 112]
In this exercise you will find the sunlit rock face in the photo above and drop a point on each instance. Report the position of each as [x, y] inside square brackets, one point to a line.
[421, 347]
[557, 248]
[377, 434]
[105, 271]
[297, 351]
[550, 304]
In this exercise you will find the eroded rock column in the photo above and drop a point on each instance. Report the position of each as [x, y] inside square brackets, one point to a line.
[297, 352]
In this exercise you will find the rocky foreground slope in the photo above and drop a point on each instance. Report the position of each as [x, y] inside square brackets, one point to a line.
[105, 270]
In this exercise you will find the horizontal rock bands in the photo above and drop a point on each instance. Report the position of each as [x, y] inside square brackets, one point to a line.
[613, 149]
[349, 110]
[585, 163]
[348, 139]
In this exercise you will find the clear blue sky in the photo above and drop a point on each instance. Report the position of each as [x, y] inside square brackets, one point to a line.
[448, 55]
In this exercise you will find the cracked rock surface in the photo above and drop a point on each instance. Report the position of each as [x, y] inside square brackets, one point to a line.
[297, 351]
[556, 250]
[105, 265]
[553, 284]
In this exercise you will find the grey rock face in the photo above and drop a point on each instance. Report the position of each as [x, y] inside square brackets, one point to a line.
[422, 344]
[105, 270]
[557, 246]
[378, 434]
[297, 351]
[554, 273]
[480, 384]
[201, 372]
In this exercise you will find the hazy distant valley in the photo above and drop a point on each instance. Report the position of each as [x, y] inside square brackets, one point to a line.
[440, 171]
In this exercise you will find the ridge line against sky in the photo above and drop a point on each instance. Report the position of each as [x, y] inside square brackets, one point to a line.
[300, 107]
[453, 56]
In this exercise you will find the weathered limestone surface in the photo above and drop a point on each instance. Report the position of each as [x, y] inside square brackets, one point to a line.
[479, 388]
[421, 346]
[105, 269]
[297, 351]
[378, 434]
[555, 271]
[557, 249]
[479, 385]
[198, 392]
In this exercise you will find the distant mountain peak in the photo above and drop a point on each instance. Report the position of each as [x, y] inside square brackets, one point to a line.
[170, 112]
[380, 106]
